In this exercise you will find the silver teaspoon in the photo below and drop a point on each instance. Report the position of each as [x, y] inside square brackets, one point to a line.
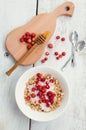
[74, 40]
[80, 46]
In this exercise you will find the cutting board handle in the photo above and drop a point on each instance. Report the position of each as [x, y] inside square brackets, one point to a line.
[65, 9]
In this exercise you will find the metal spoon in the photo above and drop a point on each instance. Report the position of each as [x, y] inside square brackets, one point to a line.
[80, 46]
[74, 41]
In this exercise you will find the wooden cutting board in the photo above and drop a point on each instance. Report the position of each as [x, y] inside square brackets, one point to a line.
[39, 24]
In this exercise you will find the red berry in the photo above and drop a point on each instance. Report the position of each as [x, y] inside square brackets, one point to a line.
[43, 89]
[50, 45]
[21, 39]
[43, 79]
[33, 35]
[54, 94]
[45, 58]
[32, 43]
[57, 37]
[46, 53]
[47, 86]
[39, 75]
[51, 101]
[33, 39]
[57, 58]
[56, 53]
[29, 46]
[47, 105]
[63, 53]
[49, 93]
[27, 34]
[39, 87]
[34, 89]
[39, 93]
[47, 83]
[28, 97]
[62, 39]
[40, 101]
[42, 61]
[43, 100]
[37, 81]
[52, 80]
[24, 36]
[60, 56]
[27, 37]
[29, 40]
[33, 95]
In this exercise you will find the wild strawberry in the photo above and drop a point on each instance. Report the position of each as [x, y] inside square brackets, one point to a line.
[50, 45]
[39, 75]
[33, 39]
[29, 40]
[51, 101]
[62, 39]
[39, 93]
[29, 46]
[63, 53]
[49, 93]
[33, 35]
[43, 61]
[40, 101]
[52, 80]
[28, 97]
[21, 39]
[43, 79]
[43, 89]
[60, 56]
[46, 53]
[27, 34]
[47, 86]
[56, 53]
[34, 89]
[45, 58]
[37, 81]
[39, 87]
[47, 83]
[47, 105]
[33, 95]
[57, 37]
[57, 58]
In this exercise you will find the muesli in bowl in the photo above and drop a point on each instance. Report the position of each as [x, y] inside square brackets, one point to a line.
[43, 92]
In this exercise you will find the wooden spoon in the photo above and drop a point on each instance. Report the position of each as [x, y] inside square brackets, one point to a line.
[39, 24]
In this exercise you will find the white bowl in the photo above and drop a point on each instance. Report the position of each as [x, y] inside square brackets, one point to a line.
[19, 94]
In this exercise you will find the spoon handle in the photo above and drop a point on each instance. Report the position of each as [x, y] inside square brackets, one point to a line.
[73, 56]
[62, 68]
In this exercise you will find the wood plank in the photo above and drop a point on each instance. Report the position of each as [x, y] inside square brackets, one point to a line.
[13, 13]
[74, 117]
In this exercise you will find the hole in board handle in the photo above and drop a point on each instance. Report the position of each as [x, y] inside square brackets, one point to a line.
[67, 8]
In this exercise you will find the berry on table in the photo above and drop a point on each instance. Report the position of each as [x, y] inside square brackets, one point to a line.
[46, 53]
[50, 45]
[63, 39]
[57, 37]
[63, 53]
[56, 53]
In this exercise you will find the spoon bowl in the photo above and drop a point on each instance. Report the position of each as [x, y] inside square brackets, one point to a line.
[80, 46]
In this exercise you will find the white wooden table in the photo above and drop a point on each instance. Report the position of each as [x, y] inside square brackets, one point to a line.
[14, 13]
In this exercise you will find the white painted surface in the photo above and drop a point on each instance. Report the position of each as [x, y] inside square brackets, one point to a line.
[14, 13]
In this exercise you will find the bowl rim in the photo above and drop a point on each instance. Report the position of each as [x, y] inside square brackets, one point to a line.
[57, 71]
